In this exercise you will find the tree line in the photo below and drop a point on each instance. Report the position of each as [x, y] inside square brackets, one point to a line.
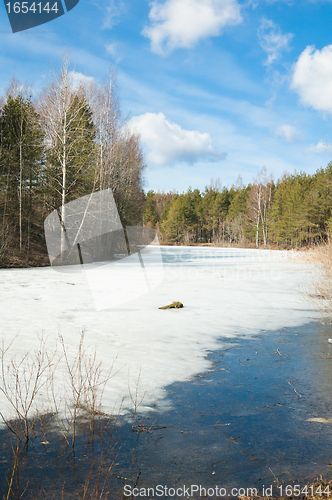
[72, 140]
[68, 142]
[295, 211]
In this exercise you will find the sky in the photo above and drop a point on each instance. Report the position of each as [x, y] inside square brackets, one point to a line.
[217, 89]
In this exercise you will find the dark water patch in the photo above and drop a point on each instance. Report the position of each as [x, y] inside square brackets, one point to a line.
[244, 423]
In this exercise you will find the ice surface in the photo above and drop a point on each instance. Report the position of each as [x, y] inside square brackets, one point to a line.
[225, 292]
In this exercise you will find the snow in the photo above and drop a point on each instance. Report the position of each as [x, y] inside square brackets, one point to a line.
[226, 293]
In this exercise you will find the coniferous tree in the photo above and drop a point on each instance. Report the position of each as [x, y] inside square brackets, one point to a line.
[321, 203]
[237, 214]
[215, 204]
[21, 161]
[75, 145]
[150, 212]
[182, 222]
[291, 223]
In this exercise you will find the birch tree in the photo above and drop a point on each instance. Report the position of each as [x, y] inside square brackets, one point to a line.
[107, 119]
[69, 131]
[124, 177]
[259, 202]
[120, 161]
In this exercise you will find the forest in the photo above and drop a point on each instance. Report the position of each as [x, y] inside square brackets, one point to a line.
[294, 212]
[69, 142]
[72, 141]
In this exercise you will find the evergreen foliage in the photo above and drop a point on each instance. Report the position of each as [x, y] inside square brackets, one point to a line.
[150, 216]
[68, 144]
[294, 212]
[73, 142]
[21, 160]
[183, 222]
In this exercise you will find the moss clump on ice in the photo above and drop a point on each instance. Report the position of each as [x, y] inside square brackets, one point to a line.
[173, 305]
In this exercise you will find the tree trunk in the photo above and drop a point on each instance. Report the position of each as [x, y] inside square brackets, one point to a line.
[20, 193]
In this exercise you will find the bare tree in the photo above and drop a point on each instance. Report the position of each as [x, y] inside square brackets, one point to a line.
[21, 381]
[88, 147]
[125, 177]
[120, 161]
[105, 104]
[259, 202]
[267, 201]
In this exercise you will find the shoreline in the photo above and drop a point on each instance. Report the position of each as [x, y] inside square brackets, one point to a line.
[21, 264]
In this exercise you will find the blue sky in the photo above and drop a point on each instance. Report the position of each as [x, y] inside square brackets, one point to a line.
[216, 88]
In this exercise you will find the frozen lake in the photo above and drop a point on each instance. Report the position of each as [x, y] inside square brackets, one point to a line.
[226, 293]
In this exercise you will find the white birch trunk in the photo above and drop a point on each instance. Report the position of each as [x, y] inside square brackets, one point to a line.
[20, 192]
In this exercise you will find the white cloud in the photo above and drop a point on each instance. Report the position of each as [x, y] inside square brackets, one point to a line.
[112, 48]
[169, 143]
[287, 132]
[182, 23]
[251, 3]
[322, 148]
[287, 2]
[77, 79]
[113, 10]
[312, 78]
[272, 40]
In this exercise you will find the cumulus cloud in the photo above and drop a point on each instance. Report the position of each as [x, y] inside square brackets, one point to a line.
[169, 143]
[76, 79]
[182, 23]
[272, 40]
[287, 132]
[322, 148]
[312, 78]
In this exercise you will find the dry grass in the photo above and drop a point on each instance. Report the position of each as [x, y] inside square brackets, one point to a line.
[320, 292]
[21, 380]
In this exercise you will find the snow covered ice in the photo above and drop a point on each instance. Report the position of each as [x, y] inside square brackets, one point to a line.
[225, 292]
